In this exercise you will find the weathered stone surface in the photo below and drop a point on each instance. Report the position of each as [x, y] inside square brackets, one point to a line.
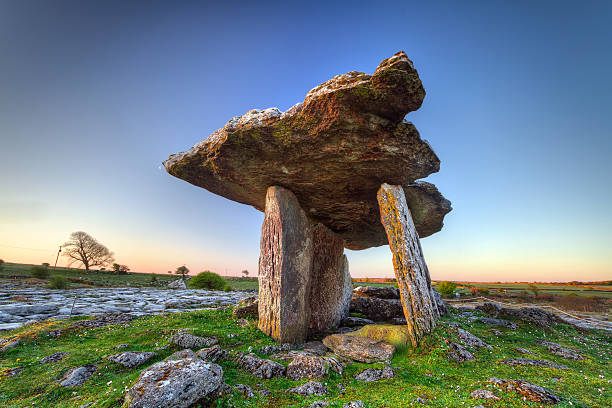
[285, 263]
[363, 349]
[260, 367]
[244, 390]
[214, 354]
[353, 404]
[534, 315]
[559, 350]
[483, 394]
[398, 336]
[374, 374]
[458, 353]
[77, 376]
[247, 307]
[536, 363]
[310, 388]
[333, 151]
[378, 310]
[381, 292]
[330, 280]
[528, 390]
[469, 340]
[175, 384]
[409, 264]
[177, 284]
[498, 322]
[303, 367]
[11, 372]
[182, 354]
[188, 340]
[131, 359]
[352, 321]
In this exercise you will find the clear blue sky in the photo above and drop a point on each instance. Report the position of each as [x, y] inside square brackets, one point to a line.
[95, 95]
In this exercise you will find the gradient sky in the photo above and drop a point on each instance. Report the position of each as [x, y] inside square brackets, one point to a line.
[95, 95]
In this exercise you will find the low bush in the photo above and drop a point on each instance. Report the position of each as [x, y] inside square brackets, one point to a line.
[474, 291]
[208, 280]
[1, 264]
[447, 289]
[39, 272]
[57, 282]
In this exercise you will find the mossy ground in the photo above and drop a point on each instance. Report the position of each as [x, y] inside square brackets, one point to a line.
[424, 372]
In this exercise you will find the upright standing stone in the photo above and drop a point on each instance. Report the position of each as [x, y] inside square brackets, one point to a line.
[410, 268]
[330, 280]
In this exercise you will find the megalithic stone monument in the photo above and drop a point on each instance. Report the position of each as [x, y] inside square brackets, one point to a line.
[338, 170]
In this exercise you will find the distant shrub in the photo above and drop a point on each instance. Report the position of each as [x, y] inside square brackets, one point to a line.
[533, 288]
[1, 264]
[227, 288]
[119, 269]
[207, 280]
[474, 291]
[57, 282]
[39, 272]
[45, 264]
[447, 289]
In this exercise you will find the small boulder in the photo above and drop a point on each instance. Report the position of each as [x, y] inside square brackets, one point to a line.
[353, 404]
[247, 307]
[214, 354]
[458, 353]
[310, 388]
[175, 384]
[177, 284]
[319, 404]
[469, 340]
[498, 322]
[398, 336]
[489, 308]
[536, 363]
[380, 292]
[305, 367]
[54, 358]
[244, 390]
[77, 376]
[528, 390]
[483, 394]
[374, 374]
[11, 372]
[259, 367]
[559, 350]
[524, 351]
[131, 359]
[316, 348]
[181, 354]
[363, 349]
[188, 340]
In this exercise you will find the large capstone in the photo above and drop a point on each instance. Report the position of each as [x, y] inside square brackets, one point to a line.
[333, 151]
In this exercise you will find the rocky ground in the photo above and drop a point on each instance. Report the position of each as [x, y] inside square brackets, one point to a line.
[19, 305]
[217, 357]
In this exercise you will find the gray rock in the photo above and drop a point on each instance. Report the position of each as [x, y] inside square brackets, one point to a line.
[353, 404]
[528, 390]
[316, 347]
[260, 367]
[559, 350]
[524, 351]
[483, 394]
[7, 344]
[13, 371]
[380, 292]
[132, 359]
[351, 321]
[121, 346]
[530, 362]
[310, 388]
[10, 326]
[188, 340]
[373, 374]
[319, 404]
[54, 358]
[177, 284]
[469, 340]
[214, 354]
[358, 348]
[303, 367]
[459, 353]
[182, 354]
[77, 376]
[247, 307]
[498, 322]
[244, 390]
[175, 384]
[378, 310]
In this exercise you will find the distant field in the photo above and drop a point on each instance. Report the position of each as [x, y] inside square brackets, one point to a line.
[544, 289]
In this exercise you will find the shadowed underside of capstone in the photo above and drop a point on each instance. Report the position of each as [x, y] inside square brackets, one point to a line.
[339, 170]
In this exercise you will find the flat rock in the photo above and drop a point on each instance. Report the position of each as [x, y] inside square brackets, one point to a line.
[381, 292]
[12, 372]
[352, 321]
[528, 390]
[559, 350]
[188, 340]
[458, 353]
[312, 367]
[310, 388]
[214, 354]
[483, 394]
[77, 376]
[469, 340]
[181, 354]
[132, 359]
[398, 336]
[524, 351]
[378, 310]
[531, 362]
[54, 358]
[175, 384]
[363, 349]
[244, 390]
[498, 322]
[333, 150]
[374, 374]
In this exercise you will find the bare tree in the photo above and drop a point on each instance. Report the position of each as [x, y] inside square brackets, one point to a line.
[182, 270]
[83, 248]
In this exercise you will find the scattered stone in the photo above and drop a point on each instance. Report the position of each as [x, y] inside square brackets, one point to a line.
[214, 354]
[242, 322]
[54, 358]
[378, 310]
[489, 308]
[420, 401]
[381, 292]
[276, 349]
[175, 383]
[530, 362]
[244, 390]
[121, 346]
[310, 388]
[188, 340]
[528, 390]
[105, 320]
[319, 404]
[306, 367]
[559, 350]
[534, 315]
[400, 321]
[496, 332]
[469, 340]
[351, 321]
[398, 336]
[265, 392]
[77, 376]
[259, 367]
[483, 394]
[7, 344]
[11, 372]
[182, 354]
[132, 359]
[498, 322]
[524, 351]
[55, 333]
[247, 307]
[458, 353]
[373, 374]
[177, 284]
[353, 404]
[344, 330]
[341, 387]
[290, 355]
[363, 349]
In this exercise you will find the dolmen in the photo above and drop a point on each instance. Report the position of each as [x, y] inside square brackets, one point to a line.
[339, 170]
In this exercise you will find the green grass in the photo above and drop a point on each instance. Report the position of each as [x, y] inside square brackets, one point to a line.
[425, 371]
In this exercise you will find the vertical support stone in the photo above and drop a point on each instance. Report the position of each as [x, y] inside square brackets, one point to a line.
[285, 262]
[330, 280]
[411, 270]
